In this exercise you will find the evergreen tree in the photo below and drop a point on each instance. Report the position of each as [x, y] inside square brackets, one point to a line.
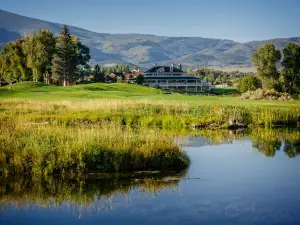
[64, 63]
[98, 75]
[140, 79]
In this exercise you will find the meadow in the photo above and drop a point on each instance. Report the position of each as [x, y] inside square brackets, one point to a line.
[114, 127]
[128, 104]
[121, 91]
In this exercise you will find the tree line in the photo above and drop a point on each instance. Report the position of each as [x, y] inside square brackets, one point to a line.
[267, 59]
[217, 76]
[42, 57]
[102, 73]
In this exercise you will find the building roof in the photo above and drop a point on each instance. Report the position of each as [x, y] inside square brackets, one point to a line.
[167, 69]
[172, 78]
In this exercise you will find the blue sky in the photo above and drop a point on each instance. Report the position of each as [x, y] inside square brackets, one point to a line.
[239, 20]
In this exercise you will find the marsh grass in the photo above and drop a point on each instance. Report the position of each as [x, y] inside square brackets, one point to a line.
[147, 113]
[44, 149]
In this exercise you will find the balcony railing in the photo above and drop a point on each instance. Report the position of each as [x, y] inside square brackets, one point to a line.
[175, 84]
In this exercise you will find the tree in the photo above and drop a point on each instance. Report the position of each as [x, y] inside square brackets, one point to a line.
[13, 52]
[98, 75]
[6, 70]
[108, 71]
[83, 53]
[248, 83]
[117, 69]
[39, 49]
[265, 59]
[291, 68]
[1, 68]
[65, 61]
[126, 69]
[122, 68]
[140, 79]
[19, 61]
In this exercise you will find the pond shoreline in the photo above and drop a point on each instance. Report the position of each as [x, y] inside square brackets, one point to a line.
[113, 136]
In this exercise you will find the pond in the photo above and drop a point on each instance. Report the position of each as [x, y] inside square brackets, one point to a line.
[234, 178]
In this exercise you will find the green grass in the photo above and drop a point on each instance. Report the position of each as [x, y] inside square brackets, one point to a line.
[35, 149]
[40, 91]
[147, 110]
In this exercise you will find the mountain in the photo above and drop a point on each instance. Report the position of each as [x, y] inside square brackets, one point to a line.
[144, 49]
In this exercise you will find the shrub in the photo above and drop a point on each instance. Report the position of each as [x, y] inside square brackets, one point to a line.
[266, 94]
[140, 79]
[248, 83]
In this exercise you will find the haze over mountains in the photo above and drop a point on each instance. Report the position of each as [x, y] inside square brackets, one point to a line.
[144, 49]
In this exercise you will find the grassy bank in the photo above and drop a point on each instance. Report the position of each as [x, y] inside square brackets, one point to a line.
[43, 149]
[171, 115]
[128, 104]
[98, 91]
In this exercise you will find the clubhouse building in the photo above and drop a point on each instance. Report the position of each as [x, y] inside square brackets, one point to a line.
[173, 78]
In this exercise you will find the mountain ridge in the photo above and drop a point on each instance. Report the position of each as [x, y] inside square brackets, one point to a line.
[144, 49]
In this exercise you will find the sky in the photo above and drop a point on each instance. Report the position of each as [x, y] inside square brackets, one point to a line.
[238, 20]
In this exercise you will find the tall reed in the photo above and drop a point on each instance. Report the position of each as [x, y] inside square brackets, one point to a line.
[44, 149]
[147, 113]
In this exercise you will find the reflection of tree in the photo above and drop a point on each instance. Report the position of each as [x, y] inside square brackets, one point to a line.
[221, 136]
[267, 141]
[267, 147]
[292, 148]
[53, 191]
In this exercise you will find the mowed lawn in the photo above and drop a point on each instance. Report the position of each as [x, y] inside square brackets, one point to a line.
[83, 92]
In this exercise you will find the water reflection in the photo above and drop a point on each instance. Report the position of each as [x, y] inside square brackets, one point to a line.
[230, 181]
[266, 141]
[91, 191]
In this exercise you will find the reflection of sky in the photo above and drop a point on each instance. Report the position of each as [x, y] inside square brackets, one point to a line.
[237, 185]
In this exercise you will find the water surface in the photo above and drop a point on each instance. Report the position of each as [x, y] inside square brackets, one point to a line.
[233, 179]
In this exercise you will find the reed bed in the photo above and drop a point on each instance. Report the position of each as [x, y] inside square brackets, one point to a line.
[148, 113]
[43, 149]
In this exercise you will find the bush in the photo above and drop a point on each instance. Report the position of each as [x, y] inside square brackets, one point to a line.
[248, 83]
[266, 94]
[140, 79]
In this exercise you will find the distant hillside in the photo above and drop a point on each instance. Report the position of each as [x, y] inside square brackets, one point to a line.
[142, 49]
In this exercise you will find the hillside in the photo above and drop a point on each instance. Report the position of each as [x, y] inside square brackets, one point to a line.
[142, 49]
